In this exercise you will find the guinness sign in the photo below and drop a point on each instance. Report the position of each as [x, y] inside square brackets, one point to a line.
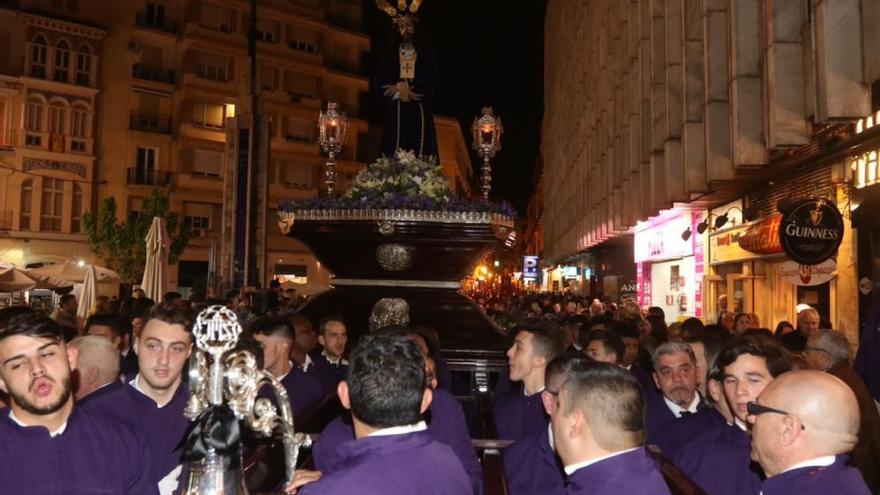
[811, 231]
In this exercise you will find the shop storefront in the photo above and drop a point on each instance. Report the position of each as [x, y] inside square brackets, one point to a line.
[668, 253]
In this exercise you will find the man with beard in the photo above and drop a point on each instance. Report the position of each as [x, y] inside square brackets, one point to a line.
[47, 444]
[153, 402]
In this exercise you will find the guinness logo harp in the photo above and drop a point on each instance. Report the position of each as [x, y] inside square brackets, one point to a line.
[811, 231]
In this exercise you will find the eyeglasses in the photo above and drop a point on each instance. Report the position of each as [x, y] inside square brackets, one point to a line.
[756, 409]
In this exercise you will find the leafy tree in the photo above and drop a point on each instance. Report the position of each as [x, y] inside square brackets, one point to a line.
[123, 245]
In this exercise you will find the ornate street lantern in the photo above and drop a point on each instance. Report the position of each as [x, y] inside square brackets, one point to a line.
[333, 128]
[487, 130]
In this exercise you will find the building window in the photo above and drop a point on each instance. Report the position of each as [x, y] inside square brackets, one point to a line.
[84, 66]
[300, 84]
[57, 118]
[146, 159]
[297, 175]
[300, 130]
[52, 205]
[267, 31]
[207, 163]
[61, 69]
[216, 17]
[213, 67]
[79, 128]
[27, 196]
[197, 217]
[39, 57]
[268, 77]
[155, 14]
[135, 207]
[76, 210]
[209, 114]
[34, 120]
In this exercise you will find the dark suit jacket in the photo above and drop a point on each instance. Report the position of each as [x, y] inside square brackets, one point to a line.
[866, 455]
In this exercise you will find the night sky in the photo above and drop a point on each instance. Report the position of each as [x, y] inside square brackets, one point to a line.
[490, 52]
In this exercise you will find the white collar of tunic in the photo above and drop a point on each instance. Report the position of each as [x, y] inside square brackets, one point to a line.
[335, 361]
[817, 462]
[136, 384]
[677, 410]
[55, 433]
[400, 430]
[571, 468]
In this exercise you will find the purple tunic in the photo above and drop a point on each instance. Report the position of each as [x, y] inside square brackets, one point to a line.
[720, 462]
[328, 373]
[406, 464]
[837, 479]
[446, 425]
[162, 427]
[94, 455]
[106, 389]
[518, 416]
[632, 472]
[867, 362]
[531, 466]
[678, 433]
[303, 390]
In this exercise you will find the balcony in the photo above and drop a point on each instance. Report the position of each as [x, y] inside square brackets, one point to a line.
[147, 122]
[342, 65]
[145, 177]
[156, 23]
[151, 73]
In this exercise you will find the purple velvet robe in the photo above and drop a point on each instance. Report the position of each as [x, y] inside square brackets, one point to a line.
[110, 388]
[162, 427]
[518, 416]
[836, 479]
[446, 425]
[328, 373]
[720, 462]
[632, 472]
[867, 362]
[128, 365]
[94, 455]
[678, 433]
[304, 390]
[531, 466]
[406, 464]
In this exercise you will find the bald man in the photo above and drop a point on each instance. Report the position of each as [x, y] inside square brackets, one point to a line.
[802, 423]
[97, 369]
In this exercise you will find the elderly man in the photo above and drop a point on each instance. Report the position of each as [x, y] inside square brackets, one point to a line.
[599, 435]
[830, 351]
[801, 424]
[675, 374]
[97, 368]
[807, 325]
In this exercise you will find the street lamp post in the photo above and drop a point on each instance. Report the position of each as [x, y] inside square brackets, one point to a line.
[487, 130]
[333, 127]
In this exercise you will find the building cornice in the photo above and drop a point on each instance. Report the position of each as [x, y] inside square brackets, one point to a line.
[63, 24]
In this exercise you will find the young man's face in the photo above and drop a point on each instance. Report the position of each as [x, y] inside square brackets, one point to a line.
[522, 359]
[305, 338]
[676, 377]
[744, 380]
[632, 351]
[334, 339]
[275, 351]
[35, 372]
[163, 350]
[596, 350]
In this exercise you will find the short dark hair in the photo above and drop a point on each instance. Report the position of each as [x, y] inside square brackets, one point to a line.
[547, 338]
[657, 310]
[174, 315]
[626, 329]
[386, 381]
[690, 326]
[65, 299]
[300, 320]
[11, 312]
[327, 319]
[610, 341]
[713, 337]
[247, 342]
[776, 357]
[612, 401]
[170, 297]
[561, 365]
[273, 327]
[120, 325]
[36, 325]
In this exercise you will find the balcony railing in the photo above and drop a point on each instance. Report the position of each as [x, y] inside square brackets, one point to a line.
[157, 23]
[148, 122]
[146, 177]
[151, 73]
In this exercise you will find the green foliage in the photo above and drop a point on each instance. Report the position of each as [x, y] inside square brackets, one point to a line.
[123, 245]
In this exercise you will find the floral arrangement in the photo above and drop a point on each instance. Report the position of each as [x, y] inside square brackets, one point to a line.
[403, 182]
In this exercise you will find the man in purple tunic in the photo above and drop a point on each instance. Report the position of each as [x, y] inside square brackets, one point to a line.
[276, 335]
[675, 374]
[393, 453]
[330, 365]
[519, 412]
[718, 460]
[47, 444]
[803, 424]
[598, 431]
[97, 367]
[153, 402]
[531, 465]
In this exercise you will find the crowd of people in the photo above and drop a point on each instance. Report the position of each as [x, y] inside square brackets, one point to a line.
[596, 398]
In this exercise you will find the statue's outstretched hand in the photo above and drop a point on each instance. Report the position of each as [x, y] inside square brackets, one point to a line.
[390, 90]
[301, 477]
